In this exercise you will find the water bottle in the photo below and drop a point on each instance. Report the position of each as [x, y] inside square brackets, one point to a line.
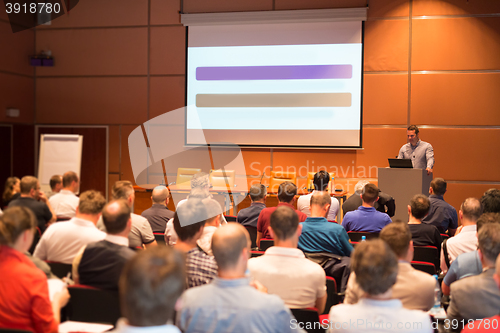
[437, 297]
[363, 238]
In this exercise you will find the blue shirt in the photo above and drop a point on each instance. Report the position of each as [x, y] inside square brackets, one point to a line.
[232, 306]
[249, 216]
[366, 219]
[466, 264]
[319, 235]
[441, 214]
[421, 155]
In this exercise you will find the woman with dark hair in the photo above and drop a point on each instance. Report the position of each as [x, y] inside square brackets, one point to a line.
[24, 294]
[12, 190]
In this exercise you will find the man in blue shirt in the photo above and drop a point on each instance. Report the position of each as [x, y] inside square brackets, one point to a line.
[319, 235]
[366, 218]
[441, 214]
[248, 217]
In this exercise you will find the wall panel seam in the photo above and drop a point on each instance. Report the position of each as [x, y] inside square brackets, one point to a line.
[114, 27]
[16, 74]
[106, 76]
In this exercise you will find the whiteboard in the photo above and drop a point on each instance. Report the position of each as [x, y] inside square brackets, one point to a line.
[59, 153]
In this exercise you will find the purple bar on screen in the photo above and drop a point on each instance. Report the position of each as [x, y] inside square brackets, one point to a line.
[274, 72]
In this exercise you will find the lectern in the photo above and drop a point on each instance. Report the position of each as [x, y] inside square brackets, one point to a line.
[402, 185]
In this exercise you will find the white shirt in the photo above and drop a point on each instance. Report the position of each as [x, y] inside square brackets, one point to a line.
[62, 241]
[141, 232]
[369, 315]
[122, 327]
[170, 234]
[304, 201]
[287, 273]
[64, 203]
[205, 241]
[465, 241]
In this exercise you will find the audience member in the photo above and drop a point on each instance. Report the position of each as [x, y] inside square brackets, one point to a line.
[100, 264]
[491, 201]
[478, 297]
[384, 204]
[366, 218]
[284, 270]
[158, 215]
[12, 190]
[466, 240]
[468, 263]
[230, 303]
[441, 214]
[250, 215]
[319, 235]
[62, 241]
[56, 185]
[141, 232]
[189, 222]
[25, 303]
[150, 285]
[422, 234]
[320, 182]
[214, 213]
[376, 269]
[286, 196]
[200, 183]
[34, 199]
[415, 289]
[66, 201]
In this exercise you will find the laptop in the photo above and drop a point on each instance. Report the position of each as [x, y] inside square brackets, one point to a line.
[400, 163]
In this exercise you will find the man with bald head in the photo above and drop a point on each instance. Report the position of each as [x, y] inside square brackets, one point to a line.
[319, 235]
[100, 264]
[158, 215]
[230, 303]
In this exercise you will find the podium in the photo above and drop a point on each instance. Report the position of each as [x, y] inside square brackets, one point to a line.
[402, 184]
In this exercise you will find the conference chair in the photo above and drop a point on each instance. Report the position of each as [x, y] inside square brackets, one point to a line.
[427, 267]
[222, 178]
[252, 231]
[278, 177]
[13, 330]
[184, 176]
[36, 239]
[92, 305]
[355, 236]
[265, 244]
[230, 218]
[331, 292]
[255, 254]
[62, 218]
[309, 319]
[59, 269]
[427, 254]
[160, 238]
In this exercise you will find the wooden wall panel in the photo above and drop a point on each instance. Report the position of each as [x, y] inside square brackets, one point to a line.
[168, 50]
[92, 100]
[17, 92]
[126, 173]
[386, 45]
[165, 11]
[17, 47]
[114, 149]
[388, 8]
[112, 179]
[318, 4]
[456, 99]
[454, 7]
[456, 44]
[166, 94]
[24, 159]
[463, 154]
[257, 162]
[98, 13]
[214, 6]
[385, 99]
[6, 149]
[457, 192]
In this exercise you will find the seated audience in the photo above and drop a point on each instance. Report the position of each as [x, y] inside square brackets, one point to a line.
[149, 287]
[56, 185]
[422, 234]
[319, 235]
[286, 196]
[478, 297]
[384, 204]
[415, 289]
[100, 264]
[466, 240]
[66, 201]
[230, 303]
[214, 213]
[34, 199]
[12, 190]
[491, 201]
[284, 270]
[25, 303]
[469, 263]
[141, 232]
[441, 214]
[366, 218]
[376, 269]
[62, 241]
[320, 182]
[250, 215]
[158, 214]
[189, 222]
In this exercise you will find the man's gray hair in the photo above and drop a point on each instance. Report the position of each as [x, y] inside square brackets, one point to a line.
[358, 188]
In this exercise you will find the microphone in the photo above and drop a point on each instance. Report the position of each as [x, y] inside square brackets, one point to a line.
[172, 183]
[262, 177]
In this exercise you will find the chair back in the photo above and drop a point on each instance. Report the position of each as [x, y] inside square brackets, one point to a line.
[62, 218]
[252, 231]
[222, 178]
[13, 330]
[355, 236]
[184, 176]
[265, 244]
[331, 292]
[59, 269]
[255, 254]
[230, 218]
[93, 305]
[426, 267]
[159, 237]
[309, 319]
[445, 236]
[427, 254]
[278, 177]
